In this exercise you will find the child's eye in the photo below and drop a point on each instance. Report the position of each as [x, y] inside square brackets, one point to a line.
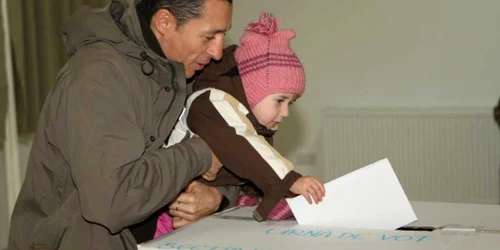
[280, 101]
[208, 38]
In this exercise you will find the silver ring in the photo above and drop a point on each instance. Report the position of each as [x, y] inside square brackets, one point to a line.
[177, 207]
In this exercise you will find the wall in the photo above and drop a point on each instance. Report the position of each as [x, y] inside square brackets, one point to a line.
[4, 220]
[3, 80]
[24, 150]
[386, 53]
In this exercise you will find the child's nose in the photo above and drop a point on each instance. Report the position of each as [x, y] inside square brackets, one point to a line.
[285, 111]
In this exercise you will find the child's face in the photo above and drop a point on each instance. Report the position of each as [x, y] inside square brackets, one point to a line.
[273, 109]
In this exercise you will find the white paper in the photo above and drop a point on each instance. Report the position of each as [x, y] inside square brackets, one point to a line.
[370, 198]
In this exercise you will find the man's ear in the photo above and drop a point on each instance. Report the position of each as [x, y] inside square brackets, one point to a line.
[163, 22]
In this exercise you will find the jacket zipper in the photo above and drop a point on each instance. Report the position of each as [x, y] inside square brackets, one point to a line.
[172, 82]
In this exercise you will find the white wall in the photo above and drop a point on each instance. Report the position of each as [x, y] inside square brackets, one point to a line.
[405, 53]
[4, 218]
[24, 150]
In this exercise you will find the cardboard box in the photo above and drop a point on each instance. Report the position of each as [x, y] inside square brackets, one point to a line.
[454, 227]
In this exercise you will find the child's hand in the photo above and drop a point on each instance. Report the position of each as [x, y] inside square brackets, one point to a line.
[309, 186]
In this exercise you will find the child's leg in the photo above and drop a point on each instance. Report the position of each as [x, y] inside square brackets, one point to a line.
[280, 212]
[164, 225]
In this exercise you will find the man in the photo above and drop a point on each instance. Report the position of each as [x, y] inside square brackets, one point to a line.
[96, 165]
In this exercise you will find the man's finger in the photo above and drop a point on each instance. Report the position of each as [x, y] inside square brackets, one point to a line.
[198, 199]
[189, 208]
[183, 215]
[209, 176]
[179, 222]
[192, 185]
[183, 200]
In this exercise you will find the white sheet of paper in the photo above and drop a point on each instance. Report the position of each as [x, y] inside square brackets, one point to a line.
[370, 198]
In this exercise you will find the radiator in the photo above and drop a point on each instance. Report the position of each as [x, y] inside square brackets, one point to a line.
[448, 155]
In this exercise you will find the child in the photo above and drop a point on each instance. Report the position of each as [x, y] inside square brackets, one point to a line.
[262, 75]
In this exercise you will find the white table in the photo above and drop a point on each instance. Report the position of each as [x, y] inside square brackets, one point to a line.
[236, 230]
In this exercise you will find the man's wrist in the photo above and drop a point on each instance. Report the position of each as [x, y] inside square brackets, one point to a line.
[223, 204]
[219, 199]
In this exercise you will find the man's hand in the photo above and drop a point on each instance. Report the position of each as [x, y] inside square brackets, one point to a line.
[199, 200]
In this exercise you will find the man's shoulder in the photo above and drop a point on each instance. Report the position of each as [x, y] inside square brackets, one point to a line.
[103, 69]
[103, 64]
[99, 56]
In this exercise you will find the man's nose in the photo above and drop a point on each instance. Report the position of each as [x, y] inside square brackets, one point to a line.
[215, 49]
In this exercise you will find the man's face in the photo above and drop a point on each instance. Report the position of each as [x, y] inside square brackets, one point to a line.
[197, 41]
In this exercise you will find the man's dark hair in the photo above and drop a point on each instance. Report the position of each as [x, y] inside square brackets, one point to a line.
[183, 10]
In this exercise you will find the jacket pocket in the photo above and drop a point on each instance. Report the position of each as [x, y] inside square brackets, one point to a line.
[49, 235]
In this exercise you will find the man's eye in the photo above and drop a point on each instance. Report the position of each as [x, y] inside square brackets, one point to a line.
[209, 38]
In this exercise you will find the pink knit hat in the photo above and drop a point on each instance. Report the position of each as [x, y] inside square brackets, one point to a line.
[266, 62]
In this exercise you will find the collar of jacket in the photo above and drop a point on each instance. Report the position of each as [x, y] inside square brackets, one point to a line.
[147, 33]
[131, 22]
[233, 72]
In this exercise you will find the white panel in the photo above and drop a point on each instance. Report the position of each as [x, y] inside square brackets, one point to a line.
[439, 155]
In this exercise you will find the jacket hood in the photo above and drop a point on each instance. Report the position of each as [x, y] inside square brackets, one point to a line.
[113, 24]
[224, 75]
